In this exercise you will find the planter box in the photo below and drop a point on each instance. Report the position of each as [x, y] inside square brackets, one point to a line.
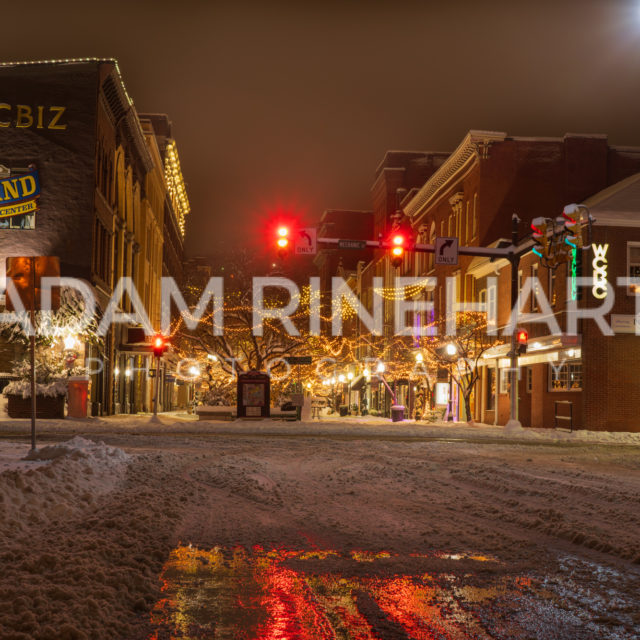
[46, 407]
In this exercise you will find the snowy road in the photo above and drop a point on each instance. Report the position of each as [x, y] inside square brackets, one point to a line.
[378, 534]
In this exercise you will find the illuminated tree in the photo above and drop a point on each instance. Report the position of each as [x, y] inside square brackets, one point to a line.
[460, 353]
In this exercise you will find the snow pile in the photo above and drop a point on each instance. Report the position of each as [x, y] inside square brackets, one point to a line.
[84, 528]
[95, 454]
[76, 473]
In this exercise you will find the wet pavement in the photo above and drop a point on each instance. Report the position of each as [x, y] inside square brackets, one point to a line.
[259, 594]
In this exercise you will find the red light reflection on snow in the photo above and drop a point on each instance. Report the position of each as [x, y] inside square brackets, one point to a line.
[256, 596]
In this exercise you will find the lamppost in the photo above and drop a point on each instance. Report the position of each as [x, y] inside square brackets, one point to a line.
[413, 390]
[333, 394]
[349, 378]
[341, 381]
[380, 371]
[367, 396]
[194, 372]
[127, 388]
[451, 351]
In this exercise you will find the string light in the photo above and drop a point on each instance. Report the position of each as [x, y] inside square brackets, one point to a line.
[175, 184]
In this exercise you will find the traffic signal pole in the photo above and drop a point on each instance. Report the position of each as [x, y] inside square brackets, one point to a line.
[514, 259]
[155, 391]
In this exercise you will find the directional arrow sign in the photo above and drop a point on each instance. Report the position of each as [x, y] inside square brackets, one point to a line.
[305, 242]
[446, 250]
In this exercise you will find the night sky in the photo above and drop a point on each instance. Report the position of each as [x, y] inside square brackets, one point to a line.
[293, 104]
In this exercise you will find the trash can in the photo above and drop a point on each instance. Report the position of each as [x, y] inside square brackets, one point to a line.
[397, 413]
[78, 391]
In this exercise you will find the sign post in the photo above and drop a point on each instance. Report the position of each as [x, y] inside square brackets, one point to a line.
[25, 274]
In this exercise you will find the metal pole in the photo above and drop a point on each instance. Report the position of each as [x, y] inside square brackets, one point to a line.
[32, 351]
[514, 259]
[450, 403]
[155, 392]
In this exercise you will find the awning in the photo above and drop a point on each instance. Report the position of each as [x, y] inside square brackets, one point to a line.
[357, 383]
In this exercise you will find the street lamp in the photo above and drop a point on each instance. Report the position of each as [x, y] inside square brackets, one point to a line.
[349, 378]
[194, 372]
[451, 350]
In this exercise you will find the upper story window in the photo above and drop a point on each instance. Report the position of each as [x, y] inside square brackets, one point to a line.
[552, 286]
[535, 288]
[633, 266]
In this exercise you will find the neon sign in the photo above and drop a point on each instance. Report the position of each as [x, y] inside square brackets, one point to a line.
[574, 274]
[599, 264]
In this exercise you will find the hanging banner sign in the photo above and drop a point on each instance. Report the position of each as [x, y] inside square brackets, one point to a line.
[19, 194]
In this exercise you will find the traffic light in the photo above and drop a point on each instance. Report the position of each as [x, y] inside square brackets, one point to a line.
[398, 243]
[160, 345]
[522, 338]
[282, 242]
[541, 247]
[572, 226]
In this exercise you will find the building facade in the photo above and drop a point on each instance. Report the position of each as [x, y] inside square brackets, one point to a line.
[472, 194]
[103, 203]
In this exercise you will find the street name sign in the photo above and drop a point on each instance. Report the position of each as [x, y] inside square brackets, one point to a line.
[306, 242]
[446, 251]
[352, 244]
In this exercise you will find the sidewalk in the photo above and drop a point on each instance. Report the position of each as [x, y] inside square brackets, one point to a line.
[349, 426]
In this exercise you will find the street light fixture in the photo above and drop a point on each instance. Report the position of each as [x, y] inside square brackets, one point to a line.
[451, 350]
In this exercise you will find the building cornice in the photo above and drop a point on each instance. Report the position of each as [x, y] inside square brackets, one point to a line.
[474, 146]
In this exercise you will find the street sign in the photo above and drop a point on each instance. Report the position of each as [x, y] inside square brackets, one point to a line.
[352, 244]
[306, 242]
[298, 359]
[625, 323]
[446, 251]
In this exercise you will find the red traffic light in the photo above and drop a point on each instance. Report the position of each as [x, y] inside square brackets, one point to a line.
[160, 345]
[522, 338]
[398, 243]
[282, 241]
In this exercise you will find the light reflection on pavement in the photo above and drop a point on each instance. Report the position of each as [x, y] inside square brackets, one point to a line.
[284, 594]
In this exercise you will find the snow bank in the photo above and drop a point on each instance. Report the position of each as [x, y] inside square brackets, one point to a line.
[75, 473]
[97, 454]
[82, 540]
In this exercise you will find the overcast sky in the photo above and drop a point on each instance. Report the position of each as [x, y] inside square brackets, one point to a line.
[293, 104]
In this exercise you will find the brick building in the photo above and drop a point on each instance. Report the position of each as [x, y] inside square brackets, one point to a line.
[472, 194]
[106, 196]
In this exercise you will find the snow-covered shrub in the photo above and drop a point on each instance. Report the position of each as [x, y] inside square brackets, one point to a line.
[432, 415]
[52, 375]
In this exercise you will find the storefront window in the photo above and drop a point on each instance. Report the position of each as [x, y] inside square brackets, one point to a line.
[504, 380]
[566, 376]
[491, 389]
